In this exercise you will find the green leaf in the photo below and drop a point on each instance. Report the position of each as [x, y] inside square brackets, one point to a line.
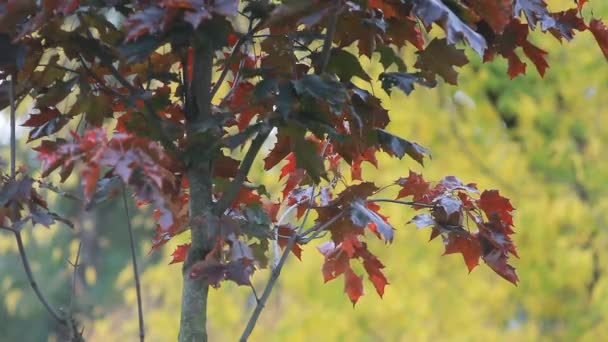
[323, 89]
[346, 65]
[404, 81]
[309, 159]
[388, 57]
[399, 147]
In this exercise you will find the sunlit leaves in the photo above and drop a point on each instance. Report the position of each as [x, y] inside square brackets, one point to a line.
[440, 58]
[431, 11]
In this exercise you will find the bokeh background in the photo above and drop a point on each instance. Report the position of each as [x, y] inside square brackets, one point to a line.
[540, 141]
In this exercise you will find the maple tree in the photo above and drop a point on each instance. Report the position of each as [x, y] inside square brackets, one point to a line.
[163, 96]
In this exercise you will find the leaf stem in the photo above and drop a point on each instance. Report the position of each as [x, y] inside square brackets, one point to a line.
[22, 252]
[414, 204]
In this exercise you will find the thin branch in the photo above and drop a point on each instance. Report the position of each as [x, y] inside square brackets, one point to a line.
[237, 77]
[75, 265]
[276, 271]
[22, 252]
[13, 141]
[414, 204]
[329, 37]
[318, 228]
[234, 188]
[235, 50]
[33, 284]
[7, 228]
[140, 312]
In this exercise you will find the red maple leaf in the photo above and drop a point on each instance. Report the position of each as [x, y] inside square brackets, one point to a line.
[600, 32]
[180, 253]
[468, 245]
[414, 185]
[285, 233]
[353, 285]
[493, 204]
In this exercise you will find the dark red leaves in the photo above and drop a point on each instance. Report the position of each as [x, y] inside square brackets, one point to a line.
[497, 13]
[439, 58]
[452, 201]
[469, 246]
[337, 262]
[435, 11]
[49, 121]
[493, 205]
[600, 32]
[353, 285]
[516, 35]
[414, 185]
[180, 253]
[285, 233]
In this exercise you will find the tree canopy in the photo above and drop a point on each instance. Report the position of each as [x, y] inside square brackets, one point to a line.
[176, 99]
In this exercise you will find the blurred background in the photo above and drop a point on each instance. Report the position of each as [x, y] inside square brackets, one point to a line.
[540, 141]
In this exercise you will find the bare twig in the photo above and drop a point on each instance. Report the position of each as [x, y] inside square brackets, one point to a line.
[235, 50]
[329, 37]
[234, 188]
[30, 277]
[276, 271]
[7, 228]
[140, 312]
[75, 265]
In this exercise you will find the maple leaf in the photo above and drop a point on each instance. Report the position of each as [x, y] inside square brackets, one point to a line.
[353, 285]
[335, 263]
[399, 147]
[439, 58]
[497, 13]
[180, 253]
[148, 21]
[285, 232]
[414, 185]
[535, 11]
[493, 204]
[49, 121]
[498, 262]
[566, 22]
[373, 267]
[430, 11]
[468, 246]
[600, 32]
[515, 35]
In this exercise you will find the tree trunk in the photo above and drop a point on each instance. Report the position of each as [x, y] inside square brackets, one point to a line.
[195, 291]
[199, 165]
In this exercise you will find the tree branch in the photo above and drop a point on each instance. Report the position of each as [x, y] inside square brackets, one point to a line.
[276, 271]
[33, 284]
[274, 276]
[234, 188]
[329, 37]
[140, 312]
[235, 50]
[22, 252]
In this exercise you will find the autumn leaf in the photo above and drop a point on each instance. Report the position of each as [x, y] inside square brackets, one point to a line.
[492, 203]
[468, 246]
[353, 285]
[439, 58]
[180, 253]
[600, 32]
